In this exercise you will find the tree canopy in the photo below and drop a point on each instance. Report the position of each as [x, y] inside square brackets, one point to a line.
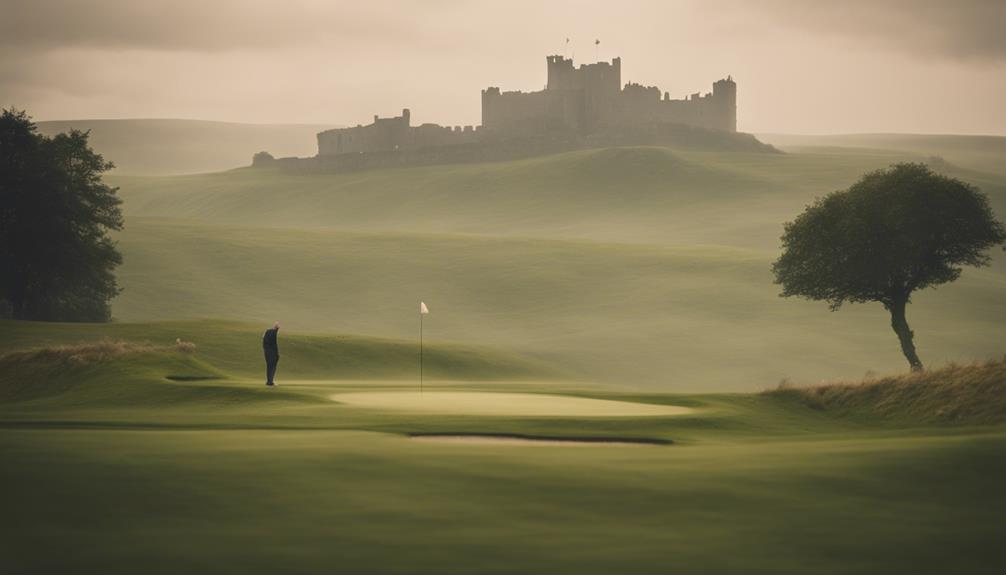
[56, 259]
[894, 231]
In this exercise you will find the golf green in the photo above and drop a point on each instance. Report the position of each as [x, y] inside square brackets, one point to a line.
[487, 403]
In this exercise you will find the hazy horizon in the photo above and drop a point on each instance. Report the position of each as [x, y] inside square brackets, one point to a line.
[802, 68]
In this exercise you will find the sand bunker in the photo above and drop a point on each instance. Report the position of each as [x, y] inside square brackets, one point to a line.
[490, 439]
[488, 403]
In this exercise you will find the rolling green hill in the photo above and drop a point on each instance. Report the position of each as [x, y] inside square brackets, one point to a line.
[642, 266]
[984, 153]
[671, 318]
[642, 194]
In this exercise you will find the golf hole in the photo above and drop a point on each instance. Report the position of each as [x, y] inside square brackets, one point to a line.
[516, 439]
[504, 404]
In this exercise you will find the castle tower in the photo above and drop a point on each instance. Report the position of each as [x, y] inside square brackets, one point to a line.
[602, 85]
[490, 96]
[725, 96]
[560, 73]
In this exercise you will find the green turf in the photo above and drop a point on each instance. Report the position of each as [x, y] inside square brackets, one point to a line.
[300, 502]
[121, 467]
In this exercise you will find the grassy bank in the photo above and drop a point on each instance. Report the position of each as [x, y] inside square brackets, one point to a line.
[235, 349]
[955, 394]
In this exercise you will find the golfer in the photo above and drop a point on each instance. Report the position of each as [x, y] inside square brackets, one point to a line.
[270, 346]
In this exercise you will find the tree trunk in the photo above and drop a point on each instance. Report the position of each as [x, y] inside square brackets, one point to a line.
[905, 335]
[17, 307]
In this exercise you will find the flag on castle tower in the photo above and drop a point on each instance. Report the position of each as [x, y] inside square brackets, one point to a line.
[422, 308]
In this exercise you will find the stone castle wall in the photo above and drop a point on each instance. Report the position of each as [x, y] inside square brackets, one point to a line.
[389, 134]
[585, 100]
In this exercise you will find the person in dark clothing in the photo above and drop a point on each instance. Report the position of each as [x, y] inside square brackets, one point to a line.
[270, 346]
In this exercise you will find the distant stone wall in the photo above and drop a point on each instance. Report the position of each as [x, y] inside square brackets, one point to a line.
[489, 147]
[383, 134]
[390, 134]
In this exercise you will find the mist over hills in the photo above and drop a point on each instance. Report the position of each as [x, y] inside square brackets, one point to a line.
[644, 266]
[640, 266]
[986, 153]
[170, 146]
[631, 194]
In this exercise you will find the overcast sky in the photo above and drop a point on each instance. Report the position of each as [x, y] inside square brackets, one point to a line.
[802, 66]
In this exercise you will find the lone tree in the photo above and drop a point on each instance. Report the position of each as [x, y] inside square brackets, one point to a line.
[56, 259]
[262, 159]
[893, 232]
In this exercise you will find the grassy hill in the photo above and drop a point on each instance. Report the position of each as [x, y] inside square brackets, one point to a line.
[640, 266]
[640, 194]
[663, 317]
[984, 153]
[163, 146]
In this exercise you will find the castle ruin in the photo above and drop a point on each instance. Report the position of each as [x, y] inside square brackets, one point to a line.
[585, 100]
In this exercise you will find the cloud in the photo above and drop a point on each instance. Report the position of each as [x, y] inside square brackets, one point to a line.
[196, 25]
[956, 29]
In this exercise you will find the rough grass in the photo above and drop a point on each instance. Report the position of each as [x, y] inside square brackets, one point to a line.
[89, 353]
[105, 366]
[956, 394]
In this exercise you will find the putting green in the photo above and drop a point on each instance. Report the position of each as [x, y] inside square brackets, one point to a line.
[488, 403]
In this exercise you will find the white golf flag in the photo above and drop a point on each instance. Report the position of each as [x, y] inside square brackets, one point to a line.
[423, 308]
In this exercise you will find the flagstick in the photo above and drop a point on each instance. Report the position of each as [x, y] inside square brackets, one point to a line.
[420, 351]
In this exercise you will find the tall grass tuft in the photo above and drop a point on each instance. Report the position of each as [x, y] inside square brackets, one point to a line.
[973, 394]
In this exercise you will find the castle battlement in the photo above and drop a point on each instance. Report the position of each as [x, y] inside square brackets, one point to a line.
[586, 99]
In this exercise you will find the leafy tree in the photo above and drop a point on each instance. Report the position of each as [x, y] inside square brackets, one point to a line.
[262, 159]
[56, 259]
[893, 232]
